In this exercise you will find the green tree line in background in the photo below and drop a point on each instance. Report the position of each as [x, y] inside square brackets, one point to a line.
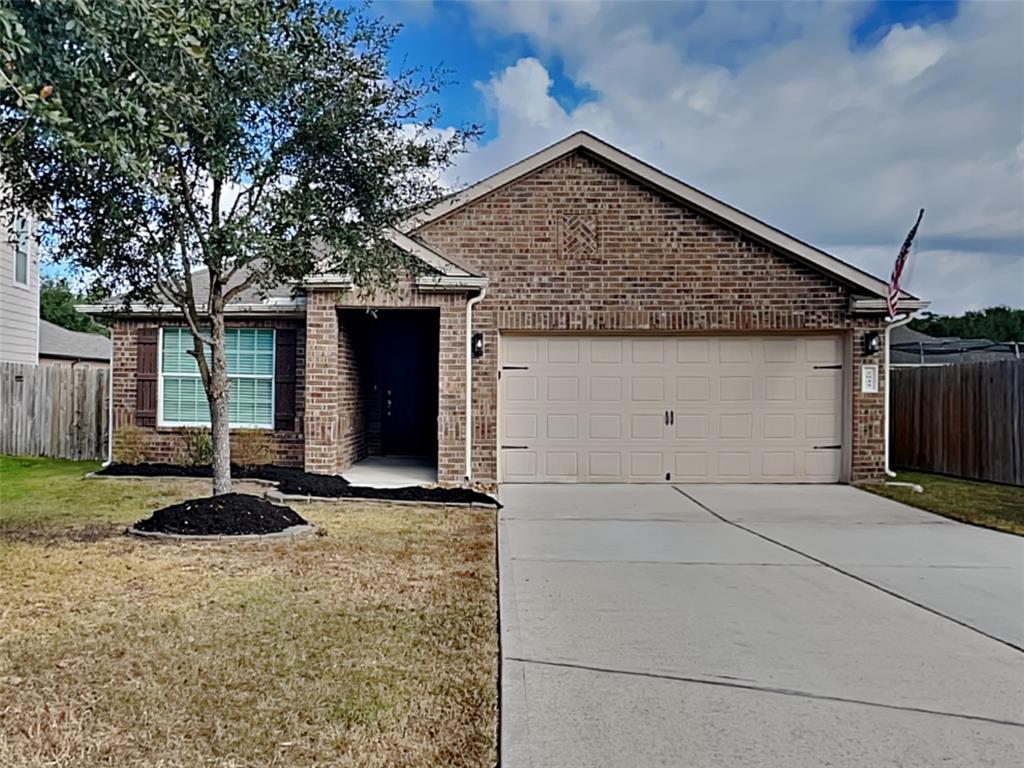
[994, 323]
[57, 299]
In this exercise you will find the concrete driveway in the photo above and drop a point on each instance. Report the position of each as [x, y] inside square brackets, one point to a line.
[755, 626]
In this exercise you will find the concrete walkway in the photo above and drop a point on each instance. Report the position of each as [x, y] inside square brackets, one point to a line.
[755, 626]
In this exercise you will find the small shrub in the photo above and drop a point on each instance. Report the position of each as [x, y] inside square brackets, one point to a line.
[196, 447]
[130, 444]
[252, 447]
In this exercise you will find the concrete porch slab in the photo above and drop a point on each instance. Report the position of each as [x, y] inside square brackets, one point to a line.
[392, 471]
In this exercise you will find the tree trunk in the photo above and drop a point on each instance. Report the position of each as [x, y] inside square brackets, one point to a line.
[217, 396]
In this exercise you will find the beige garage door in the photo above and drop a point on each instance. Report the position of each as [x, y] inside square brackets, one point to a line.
[678, 409]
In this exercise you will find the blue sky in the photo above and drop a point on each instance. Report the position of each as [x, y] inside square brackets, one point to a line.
[834, 121]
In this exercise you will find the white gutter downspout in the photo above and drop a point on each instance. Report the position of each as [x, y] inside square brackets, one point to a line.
[897, 322]
[110, 407]
[469, 380]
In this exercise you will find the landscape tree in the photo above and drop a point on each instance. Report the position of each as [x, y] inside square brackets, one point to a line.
[57, 300]
[263, 141]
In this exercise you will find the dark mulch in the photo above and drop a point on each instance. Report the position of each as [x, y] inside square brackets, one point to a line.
[231, 514]
[291, 480]
[271, 472]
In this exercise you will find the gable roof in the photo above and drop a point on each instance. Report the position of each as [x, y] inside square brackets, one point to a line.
[55, 341]
[668, 185]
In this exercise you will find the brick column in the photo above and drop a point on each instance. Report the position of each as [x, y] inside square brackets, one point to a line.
[321, 382]
[868, 449]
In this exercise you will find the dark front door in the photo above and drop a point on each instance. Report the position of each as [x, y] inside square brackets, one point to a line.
[407, 355]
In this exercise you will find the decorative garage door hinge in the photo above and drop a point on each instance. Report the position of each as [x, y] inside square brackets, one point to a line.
[828, 367]
[515, 367]
[827, 447]
[514, 447]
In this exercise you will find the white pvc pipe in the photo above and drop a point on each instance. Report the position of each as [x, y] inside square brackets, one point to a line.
[893, 323]
[110, 405]
[469, 381]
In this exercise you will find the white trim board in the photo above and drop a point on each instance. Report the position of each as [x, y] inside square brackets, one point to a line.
[668, 185]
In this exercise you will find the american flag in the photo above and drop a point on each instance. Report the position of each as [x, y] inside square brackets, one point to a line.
[901, 262]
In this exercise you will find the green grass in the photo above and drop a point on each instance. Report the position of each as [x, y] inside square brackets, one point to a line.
[987, 504]
[374, 645]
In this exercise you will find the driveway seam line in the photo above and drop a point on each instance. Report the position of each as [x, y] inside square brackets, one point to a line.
[766, 689]
[851, 575]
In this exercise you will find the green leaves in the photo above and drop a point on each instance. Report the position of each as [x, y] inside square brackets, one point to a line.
[273, 135]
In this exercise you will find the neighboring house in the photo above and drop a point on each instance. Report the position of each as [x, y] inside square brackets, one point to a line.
[913, 349]
[19, 293]
[73, 349]
[625, 327]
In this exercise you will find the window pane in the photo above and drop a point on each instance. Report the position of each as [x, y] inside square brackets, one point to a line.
[184, 401]
[21, 251]
[21, 267]
[250, 351]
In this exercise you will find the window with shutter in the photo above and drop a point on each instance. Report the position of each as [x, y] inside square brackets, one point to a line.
[250, 359]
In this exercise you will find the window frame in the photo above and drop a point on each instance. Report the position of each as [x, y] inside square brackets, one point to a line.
[22, 242]
[161, 423]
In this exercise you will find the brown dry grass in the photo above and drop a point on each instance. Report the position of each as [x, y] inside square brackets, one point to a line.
[374, 645]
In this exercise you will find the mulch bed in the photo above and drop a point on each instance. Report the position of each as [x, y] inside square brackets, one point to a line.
[292, 481]
[231, 514]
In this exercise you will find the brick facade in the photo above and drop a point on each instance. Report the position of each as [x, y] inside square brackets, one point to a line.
[165, 443]
[331, 417]
[579, 247]
[574, 247]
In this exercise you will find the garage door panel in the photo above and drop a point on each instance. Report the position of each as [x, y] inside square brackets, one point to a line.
[743, 409]
[563, 388]
[648, 351]
[693, 388]
[646, 389]
[563, 351]
[647, 465]
[692, 350]
[691, 426]
[562, 426]
[519, 426]
[691, 465]
[647, 426]
[736, 426]
[605, 426]
[735, 388]
[606, 389]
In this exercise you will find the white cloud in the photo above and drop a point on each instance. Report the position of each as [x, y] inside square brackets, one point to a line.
[767, 106]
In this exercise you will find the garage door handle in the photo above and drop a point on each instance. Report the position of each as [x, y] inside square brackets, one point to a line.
[666, 418]
[671, 417]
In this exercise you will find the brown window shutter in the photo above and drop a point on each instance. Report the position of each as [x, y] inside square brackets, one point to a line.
[284, 380]
[145, 377]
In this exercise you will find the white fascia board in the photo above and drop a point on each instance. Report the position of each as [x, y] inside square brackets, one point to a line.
[441, 283]
[329, 281]
[870, 305]
[296, 306]
[667, 184]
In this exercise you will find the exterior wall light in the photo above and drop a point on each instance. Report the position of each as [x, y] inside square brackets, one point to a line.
[477, 345]
[872, 343]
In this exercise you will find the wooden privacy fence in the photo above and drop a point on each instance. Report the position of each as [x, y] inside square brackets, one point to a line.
[60, 412]
[963, 420]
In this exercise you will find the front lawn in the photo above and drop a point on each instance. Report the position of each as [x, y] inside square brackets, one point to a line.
[374, 645]
[987, 504]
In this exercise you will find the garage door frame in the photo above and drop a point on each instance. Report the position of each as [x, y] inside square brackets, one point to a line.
[846, 356]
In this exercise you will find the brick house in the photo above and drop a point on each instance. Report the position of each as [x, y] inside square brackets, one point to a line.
[606, 321]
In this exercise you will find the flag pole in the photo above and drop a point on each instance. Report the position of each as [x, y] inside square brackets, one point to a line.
[892, 321]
